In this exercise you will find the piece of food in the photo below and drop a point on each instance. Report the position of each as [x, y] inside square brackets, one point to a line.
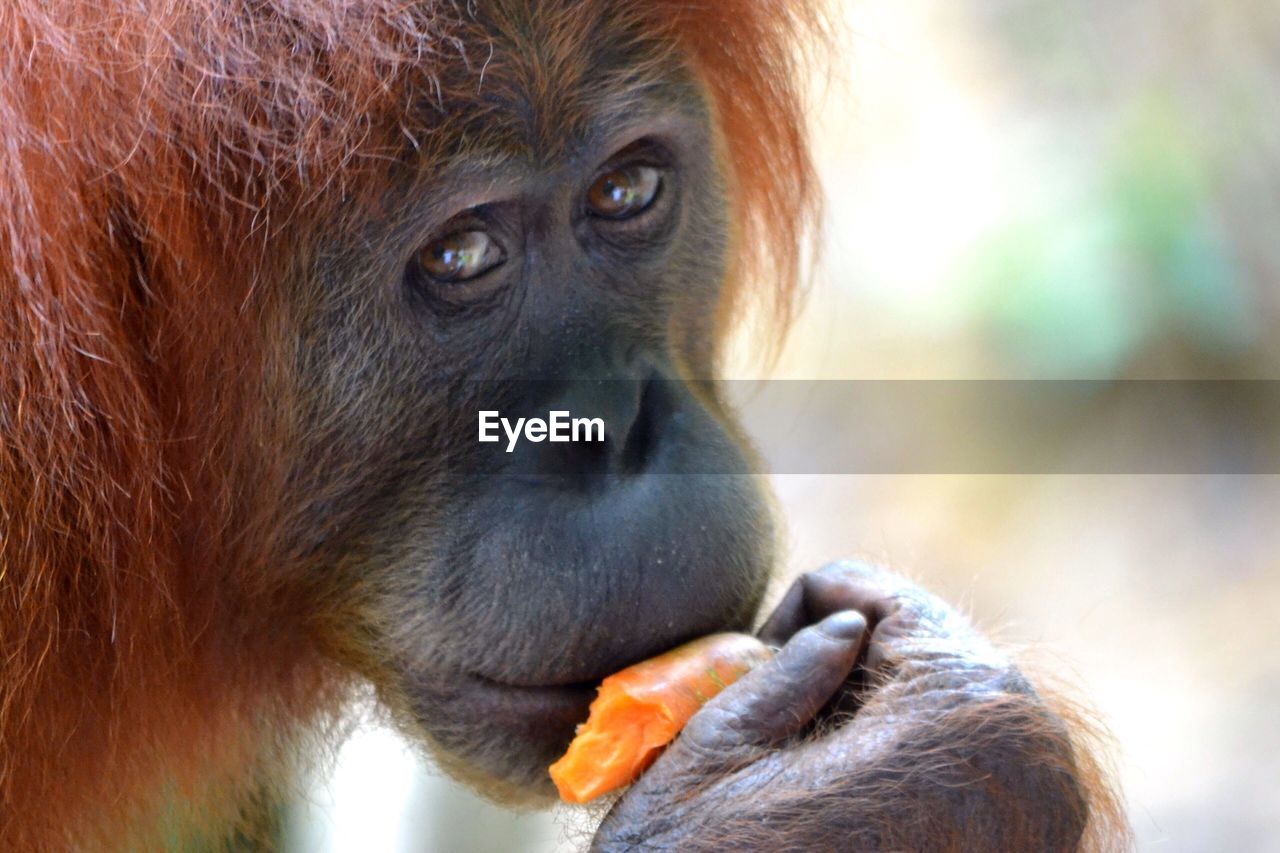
[641, 709]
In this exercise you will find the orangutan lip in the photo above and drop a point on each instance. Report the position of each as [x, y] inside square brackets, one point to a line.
[552, 700]
[550, 685]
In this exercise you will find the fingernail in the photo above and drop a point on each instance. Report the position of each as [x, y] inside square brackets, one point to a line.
[845, 625]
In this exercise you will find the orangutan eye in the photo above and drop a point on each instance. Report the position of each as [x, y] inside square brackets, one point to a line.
[461, 256]
[623, 193]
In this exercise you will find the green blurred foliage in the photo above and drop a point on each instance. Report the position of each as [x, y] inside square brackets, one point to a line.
[1135, 256]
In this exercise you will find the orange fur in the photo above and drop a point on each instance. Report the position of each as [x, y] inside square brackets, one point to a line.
[155, 651]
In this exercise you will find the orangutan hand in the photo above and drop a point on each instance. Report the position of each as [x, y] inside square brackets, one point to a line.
[885, 722]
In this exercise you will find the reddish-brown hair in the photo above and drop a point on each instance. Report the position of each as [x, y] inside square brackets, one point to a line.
[152, 156]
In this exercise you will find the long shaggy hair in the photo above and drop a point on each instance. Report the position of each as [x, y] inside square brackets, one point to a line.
[154, 156]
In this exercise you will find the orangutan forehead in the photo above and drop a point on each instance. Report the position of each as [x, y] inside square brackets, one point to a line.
[535, 87]
[276, 108]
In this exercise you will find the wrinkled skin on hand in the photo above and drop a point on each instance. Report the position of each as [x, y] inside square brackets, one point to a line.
[885, 722]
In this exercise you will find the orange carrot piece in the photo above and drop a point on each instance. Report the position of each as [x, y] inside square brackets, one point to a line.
[641, 709]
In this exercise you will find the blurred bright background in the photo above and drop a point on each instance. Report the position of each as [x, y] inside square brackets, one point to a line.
[1025, 189]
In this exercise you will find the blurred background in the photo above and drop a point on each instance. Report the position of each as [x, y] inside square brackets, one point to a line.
[1024, 189]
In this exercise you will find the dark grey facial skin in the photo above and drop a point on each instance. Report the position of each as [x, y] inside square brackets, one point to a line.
[491, 591]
